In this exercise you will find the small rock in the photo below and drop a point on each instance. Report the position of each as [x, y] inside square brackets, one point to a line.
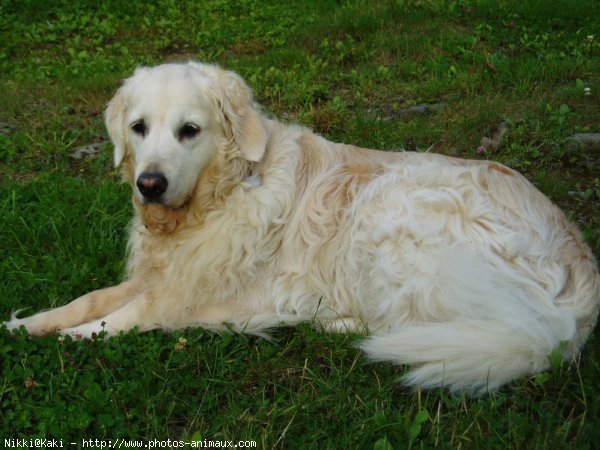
[89, 151]
[6, 128]
[486, 143]
[422, 109]
[417, 109]
[494, 142]
[586, 140]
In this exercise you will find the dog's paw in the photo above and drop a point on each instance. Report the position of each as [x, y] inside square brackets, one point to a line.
[88, 330]
[14, 323]
[35, 325]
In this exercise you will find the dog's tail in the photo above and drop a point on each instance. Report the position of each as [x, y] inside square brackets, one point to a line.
[505, 326]
[466, 356]
[479, 355]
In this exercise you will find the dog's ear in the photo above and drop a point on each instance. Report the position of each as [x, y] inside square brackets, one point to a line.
[237, 104]
[114, 118]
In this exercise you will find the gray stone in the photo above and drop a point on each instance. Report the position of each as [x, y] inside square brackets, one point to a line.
[6, 128]
[412, 110]
[496, 140]
[585, 140]
[89, 151]
[422, 109]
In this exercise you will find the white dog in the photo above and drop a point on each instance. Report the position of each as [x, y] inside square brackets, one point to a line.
[461, 269]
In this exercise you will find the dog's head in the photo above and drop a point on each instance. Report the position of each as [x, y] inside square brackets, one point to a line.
[168, 123]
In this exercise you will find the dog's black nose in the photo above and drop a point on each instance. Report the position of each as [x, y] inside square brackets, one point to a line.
[152, 184]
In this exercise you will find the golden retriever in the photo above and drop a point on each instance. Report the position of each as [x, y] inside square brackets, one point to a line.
[459, 268]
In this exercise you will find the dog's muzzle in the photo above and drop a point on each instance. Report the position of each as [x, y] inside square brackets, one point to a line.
[152, 185]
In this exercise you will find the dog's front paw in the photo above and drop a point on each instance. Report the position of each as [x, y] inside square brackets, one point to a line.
[35, 325]
[87, 330]
[14, 323]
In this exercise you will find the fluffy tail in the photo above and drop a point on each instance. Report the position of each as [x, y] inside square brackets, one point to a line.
[474, 356]
[493, 320]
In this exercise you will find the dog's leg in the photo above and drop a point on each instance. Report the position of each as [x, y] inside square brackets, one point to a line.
[144, 314]
[90, 306]
[136, 313]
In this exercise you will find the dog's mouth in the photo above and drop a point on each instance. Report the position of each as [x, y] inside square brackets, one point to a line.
[154, 201]
[165, 200]
[161, 218]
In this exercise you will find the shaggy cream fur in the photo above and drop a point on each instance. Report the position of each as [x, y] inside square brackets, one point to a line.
[461, 269]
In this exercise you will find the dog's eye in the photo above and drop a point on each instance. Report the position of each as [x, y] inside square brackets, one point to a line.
[188, 131]
[139, 127]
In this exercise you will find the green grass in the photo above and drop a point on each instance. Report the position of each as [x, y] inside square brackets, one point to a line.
[347, 69]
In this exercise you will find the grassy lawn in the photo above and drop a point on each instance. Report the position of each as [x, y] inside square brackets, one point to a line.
[352, 70]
